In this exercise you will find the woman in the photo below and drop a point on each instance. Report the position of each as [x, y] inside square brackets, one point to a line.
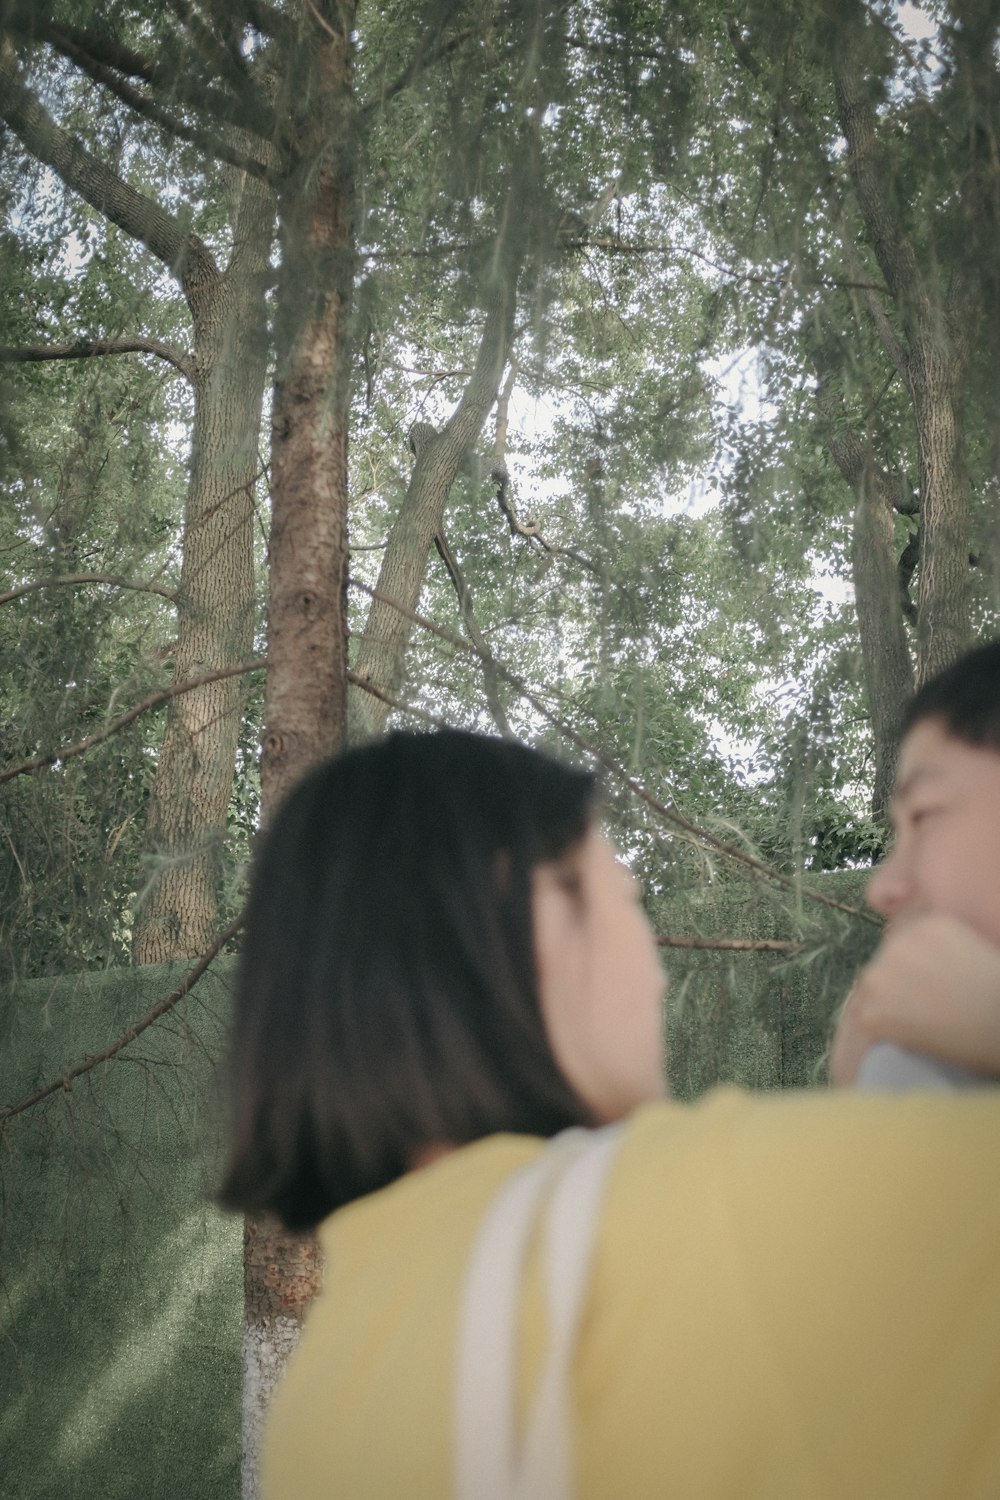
[444, 965]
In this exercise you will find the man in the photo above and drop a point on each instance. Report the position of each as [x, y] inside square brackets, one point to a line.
[933, 985]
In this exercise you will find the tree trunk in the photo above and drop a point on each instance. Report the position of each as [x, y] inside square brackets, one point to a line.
[215, 606]
[936, 325]
[884, 650]
[187, 811]
[938, 365]
[885, 653]
[382, 650]
[307, 624]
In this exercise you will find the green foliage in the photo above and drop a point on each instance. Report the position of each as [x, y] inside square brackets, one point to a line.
[679, 188]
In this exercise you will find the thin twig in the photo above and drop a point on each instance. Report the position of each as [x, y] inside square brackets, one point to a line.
[368, 686]
[133, 1030]
[323, 22]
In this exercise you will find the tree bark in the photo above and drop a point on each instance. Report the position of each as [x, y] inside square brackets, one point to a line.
[382, 651]
[187, 811]
[306, 699]
[885, 654]
[938, 367]
[307, 623]
[186, 819]
[936, 321]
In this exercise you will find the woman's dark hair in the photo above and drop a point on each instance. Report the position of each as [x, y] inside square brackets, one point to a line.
[965, 697]
[387, 996]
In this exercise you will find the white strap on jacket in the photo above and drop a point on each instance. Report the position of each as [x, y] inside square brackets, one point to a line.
[570, 1175]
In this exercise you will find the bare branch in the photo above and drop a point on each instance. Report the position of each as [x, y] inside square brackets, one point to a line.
[21, 354]
[531, 529]
[476, 636]
[76, 578]
[57, 757]
[134, 1029]
[367, 686]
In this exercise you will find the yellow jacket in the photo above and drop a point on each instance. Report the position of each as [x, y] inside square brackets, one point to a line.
[793, 1297]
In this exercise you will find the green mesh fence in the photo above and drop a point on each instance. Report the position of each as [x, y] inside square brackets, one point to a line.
[120, 1286]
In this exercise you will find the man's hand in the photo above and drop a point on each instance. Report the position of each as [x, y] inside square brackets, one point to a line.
[933, 986]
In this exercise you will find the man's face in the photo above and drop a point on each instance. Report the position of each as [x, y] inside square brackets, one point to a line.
[946, 816]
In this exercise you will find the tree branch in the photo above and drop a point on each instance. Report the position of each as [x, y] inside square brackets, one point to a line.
[530, 529]
[28, 22]
[616, 246]
[267, 19]
[869, 172]
[870, 291]
[151, 110]
[221, 59]
[183, 253]
[134, 1029]
[877, 313]
[367, 686]
[620, 45]
[664, 810]
[58, 757]
[85, 48]
[427, 53]
[76, 578]
[429, 252]
[490, 682]
[21, 354]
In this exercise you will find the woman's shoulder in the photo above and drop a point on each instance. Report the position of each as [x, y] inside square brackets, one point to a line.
[828, 1159]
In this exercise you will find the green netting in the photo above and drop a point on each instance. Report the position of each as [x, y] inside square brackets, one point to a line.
[759, 1019]
[120, 1298]
[120, 1287]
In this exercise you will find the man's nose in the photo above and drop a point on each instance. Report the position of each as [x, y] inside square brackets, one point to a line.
[889, 886]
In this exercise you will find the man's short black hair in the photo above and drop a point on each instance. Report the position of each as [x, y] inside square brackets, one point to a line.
[387, 996]
[965, 697]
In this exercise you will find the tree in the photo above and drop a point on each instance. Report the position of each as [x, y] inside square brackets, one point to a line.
[846, 239]
[584, 205]
[226, 367]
